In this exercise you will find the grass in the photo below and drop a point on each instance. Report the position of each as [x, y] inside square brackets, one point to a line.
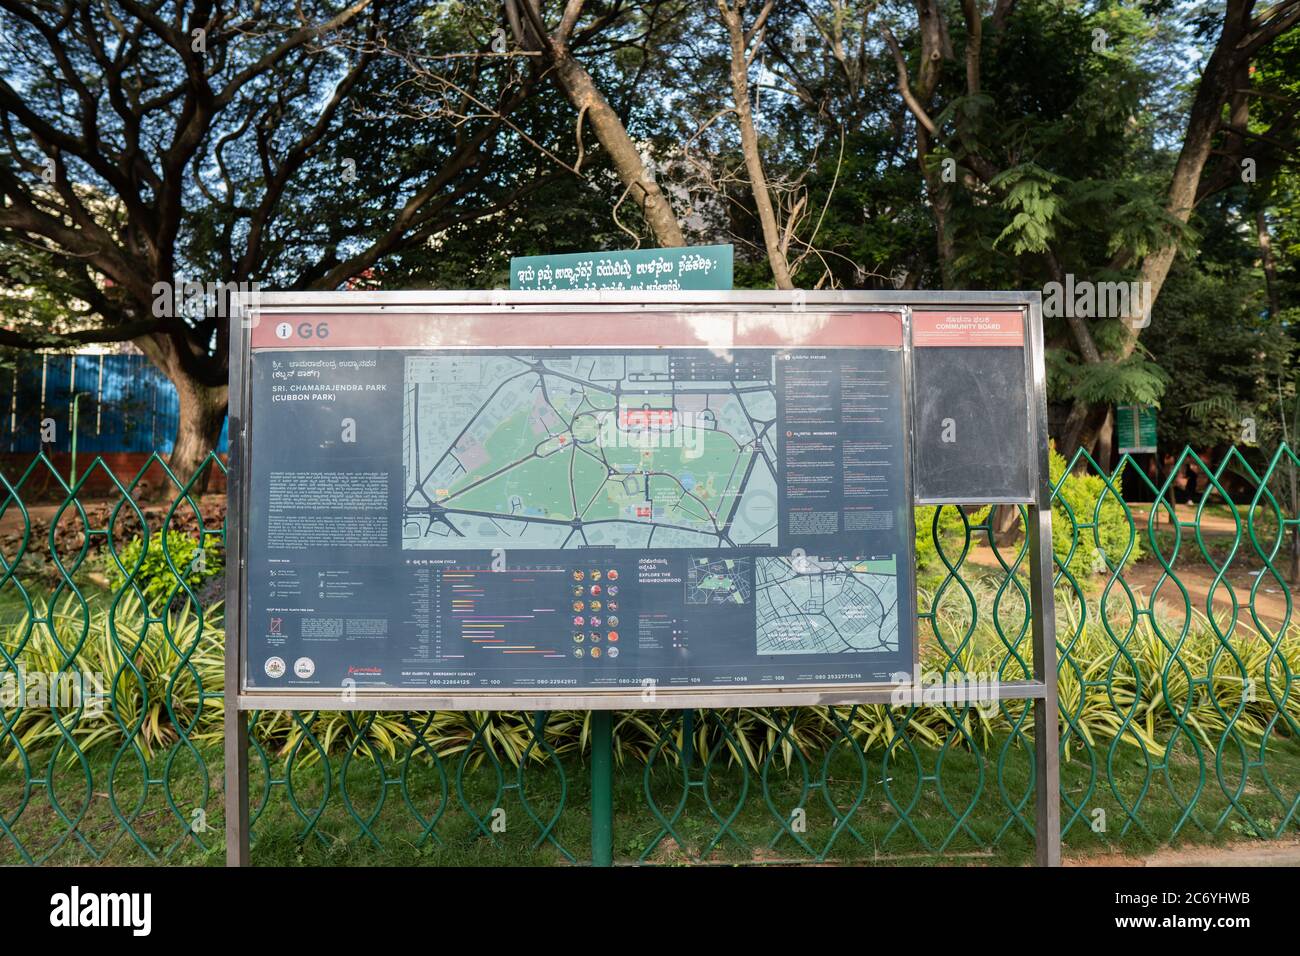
[988, 836]
[1118, 780]
[13, 608]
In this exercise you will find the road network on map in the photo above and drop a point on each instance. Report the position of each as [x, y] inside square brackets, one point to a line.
[718, 581]
[642, 450]
[811, 606]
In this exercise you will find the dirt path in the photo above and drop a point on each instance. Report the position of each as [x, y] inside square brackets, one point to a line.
[1284, 852]
[1196, 575]
[1269, 599]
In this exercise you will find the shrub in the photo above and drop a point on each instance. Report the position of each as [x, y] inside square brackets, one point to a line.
[1099, 549]
[155, 577]
[151, 683]
[930, 569]
[164, 690]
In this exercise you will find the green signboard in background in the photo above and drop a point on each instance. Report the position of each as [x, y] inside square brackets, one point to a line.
[686, 268]
[1135, 429]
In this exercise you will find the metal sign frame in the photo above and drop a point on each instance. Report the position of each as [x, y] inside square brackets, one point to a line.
[1041, 689]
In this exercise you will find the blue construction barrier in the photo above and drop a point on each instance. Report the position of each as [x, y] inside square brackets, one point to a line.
[126, 404]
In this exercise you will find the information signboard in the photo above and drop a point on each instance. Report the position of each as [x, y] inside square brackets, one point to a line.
[678, 269]
[1135, 429]
[606, 500]
[972, 394]
[584, 501]
[463, 496]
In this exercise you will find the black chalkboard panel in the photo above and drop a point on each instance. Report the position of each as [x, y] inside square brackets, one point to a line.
[971, 423]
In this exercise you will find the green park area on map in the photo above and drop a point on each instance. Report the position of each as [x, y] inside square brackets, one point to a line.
[643, 450]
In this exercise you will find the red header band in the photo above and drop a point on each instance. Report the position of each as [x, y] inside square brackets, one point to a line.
[455, 330]
[968, 328]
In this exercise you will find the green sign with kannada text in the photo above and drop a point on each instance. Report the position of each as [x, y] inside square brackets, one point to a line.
[1135, 429]
[687, 268]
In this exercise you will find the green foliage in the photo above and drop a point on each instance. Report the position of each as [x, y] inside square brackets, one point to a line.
[1133, 380]
[154, 577]
[155, 682]
[949, 531]
[1231, 362]
[1029, 193]
[136, 664]
[1083, 499]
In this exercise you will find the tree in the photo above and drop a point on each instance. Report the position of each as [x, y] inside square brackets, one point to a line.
[744, 43]
[556, 45]
[145, 145]
[1219, 117]
[1004, 160]
[836, 114]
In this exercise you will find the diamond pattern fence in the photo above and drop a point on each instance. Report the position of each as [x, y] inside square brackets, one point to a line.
[1179, 707]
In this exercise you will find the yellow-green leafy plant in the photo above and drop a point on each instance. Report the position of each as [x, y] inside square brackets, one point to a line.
[154, 576]
[1113, 541]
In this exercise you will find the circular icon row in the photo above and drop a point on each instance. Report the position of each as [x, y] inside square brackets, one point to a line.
[595, 652]
[303, 667]
[593, 621]
[595, 590]
[595, 575]
[594, 637]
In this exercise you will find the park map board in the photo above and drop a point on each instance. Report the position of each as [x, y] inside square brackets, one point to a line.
[577, 500]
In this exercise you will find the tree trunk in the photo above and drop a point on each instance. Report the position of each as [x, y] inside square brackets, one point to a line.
[749, 146]
[1268, 262]
[202, 413]
[941, 208]
[1203, 121]
[1105, 444]
[1295, 556]
[1081, 428]
[1006, 524]
[638, 180]
[632, 172]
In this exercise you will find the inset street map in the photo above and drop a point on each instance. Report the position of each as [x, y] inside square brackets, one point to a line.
[717, 581]
[810, 606]
[566, 450]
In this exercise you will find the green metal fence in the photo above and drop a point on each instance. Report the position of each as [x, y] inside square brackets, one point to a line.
[1179, 711]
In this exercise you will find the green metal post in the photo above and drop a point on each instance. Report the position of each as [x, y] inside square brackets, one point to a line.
[602, 788]
[76, 412]
[688, 739]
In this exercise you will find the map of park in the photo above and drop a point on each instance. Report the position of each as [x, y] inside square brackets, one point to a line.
[807, 606]
[717, 581]
[657, 449]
